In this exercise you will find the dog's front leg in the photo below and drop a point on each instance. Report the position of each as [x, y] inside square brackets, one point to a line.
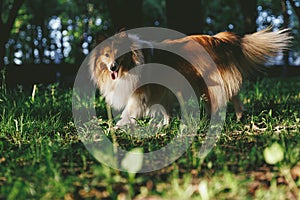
[238, 106]
[135, 109]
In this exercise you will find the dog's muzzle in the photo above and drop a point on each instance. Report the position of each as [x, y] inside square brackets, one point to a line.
[114, 68]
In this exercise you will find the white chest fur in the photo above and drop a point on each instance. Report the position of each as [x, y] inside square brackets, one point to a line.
[117, 92]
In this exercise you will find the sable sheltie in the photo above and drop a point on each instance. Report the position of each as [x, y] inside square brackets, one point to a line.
[235, 58]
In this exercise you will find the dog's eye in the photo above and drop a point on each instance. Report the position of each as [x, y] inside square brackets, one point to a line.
[107, 55]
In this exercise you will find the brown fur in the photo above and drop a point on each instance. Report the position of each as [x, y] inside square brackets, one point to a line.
[235, 58]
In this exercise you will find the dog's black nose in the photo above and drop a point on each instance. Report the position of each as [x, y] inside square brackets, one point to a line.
[114, 67]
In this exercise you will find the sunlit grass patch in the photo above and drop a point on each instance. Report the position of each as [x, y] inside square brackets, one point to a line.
[43, 157]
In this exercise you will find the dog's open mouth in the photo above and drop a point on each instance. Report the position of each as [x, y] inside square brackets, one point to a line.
[114, 74]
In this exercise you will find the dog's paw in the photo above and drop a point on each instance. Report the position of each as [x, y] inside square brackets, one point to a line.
[161, 125]
[121, 123]
[126, 122]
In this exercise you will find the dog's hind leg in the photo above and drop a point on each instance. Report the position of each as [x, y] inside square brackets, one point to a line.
[238, 106]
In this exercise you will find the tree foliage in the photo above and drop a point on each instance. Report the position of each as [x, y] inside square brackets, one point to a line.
[62, 31]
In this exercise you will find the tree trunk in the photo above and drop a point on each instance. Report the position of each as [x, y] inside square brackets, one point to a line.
[7, 26]
[286, 18]
[126, 14]
[249, 9]
[2, 51]
[185, 16]
[296, 9]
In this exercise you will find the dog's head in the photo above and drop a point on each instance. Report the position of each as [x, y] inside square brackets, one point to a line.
[108, 57]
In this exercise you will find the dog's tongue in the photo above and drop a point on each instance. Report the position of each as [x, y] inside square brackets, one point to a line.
[114, 75]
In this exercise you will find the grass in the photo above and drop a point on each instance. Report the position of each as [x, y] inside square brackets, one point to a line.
[42, 156]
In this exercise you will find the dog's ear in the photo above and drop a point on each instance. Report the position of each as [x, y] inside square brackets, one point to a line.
[98, 38]
[122, 33]
[137, 56]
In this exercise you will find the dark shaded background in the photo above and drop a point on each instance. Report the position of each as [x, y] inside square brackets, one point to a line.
[46, 41]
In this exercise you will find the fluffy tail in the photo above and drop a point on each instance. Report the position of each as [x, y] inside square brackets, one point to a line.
[243, 57]
[260, 46]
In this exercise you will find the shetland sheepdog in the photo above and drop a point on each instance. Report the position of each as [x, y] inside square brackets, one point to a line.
[235, 57]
